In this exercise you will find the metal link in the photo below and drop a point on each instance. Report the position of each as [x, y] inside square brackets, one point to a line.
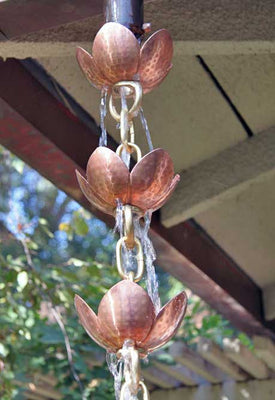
[124, 127]
[132, 146]
[137, 94]
[139, 257]
[132, 132]
[125, 117]
[142, 387]
[132, 372]
[130, 89]
[129, 231]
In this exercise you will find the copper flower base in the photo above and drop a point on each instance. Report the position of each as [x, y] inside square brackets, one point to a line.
[127, 312]
[147, 186]
[117, 57]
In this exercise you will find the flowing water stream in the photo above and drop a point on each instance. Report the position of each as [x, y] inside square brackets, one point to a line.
[142, 232]
[121, 367]
[115, 366]
[129, 261]
[103, 112]
[146, 129]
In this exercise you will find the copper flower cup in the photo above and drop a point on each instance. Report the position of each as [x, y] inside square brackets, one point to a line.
[147, 186]
[126, 312]
[117, 57]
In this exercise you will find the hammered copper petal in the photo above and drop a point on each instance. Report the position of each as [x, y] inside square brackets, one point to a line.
[116, 52]
[148, 86]
[155, 58]
[90, 69]
[92, 197]
[91, 324]
[166, 324]
[126, 312]
[167, 194]
[151, 178]
[108, 176]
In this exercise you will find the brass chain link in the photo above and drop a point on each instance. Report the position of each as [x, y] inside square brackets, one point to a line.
[127, 136]
[125, 118]
[135, 92]
[142, 387]
[136, 277]
[131, 89]
[131, 242]
[132, 377]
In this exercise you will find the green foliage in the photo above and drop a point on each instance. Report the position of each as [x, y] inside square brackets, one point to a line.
[51, 249]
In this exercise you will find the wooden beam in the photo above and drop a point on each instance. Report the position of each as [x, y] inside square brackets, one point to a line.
[159, 378]
[191, 256]
[221, 177]
[32, 396]
[192, 360]
[265, 350]
[45, 392]
[56, 141]
[252, 390]
[45, 379]
[212, 353]
[59, 124]
[40, 390]
[178, 372]
[26, 140]
[243, 357]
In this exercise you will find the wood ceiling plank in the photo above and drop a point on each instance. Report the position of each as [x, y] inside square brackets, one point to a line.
[18, 17]
[64, 48]
[192, 360]
[222, 177]
[212, 353]
[244, 357]
[269, 300]
[160, 378]
[264, 390]
[249, 80]
[183, 113]
[197, 20]
[244, 227]
[178, 372]
[265, 350]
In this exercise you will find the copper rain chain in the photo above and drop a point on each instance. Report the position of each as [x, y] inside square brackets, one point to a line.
[129, 323]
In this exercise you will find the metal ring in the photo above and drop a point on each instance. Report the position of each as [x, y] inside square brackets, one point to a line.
[139, 258]
[142, 386]
[132, 132]
[144, 389]
[124, 126]
[129, 145]
[129, 231]
[137, 100]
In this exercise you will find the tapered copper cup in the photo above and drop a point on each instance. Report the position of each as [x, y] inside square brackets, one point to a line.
[117, 57]
[126, 312]
[147, 186]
